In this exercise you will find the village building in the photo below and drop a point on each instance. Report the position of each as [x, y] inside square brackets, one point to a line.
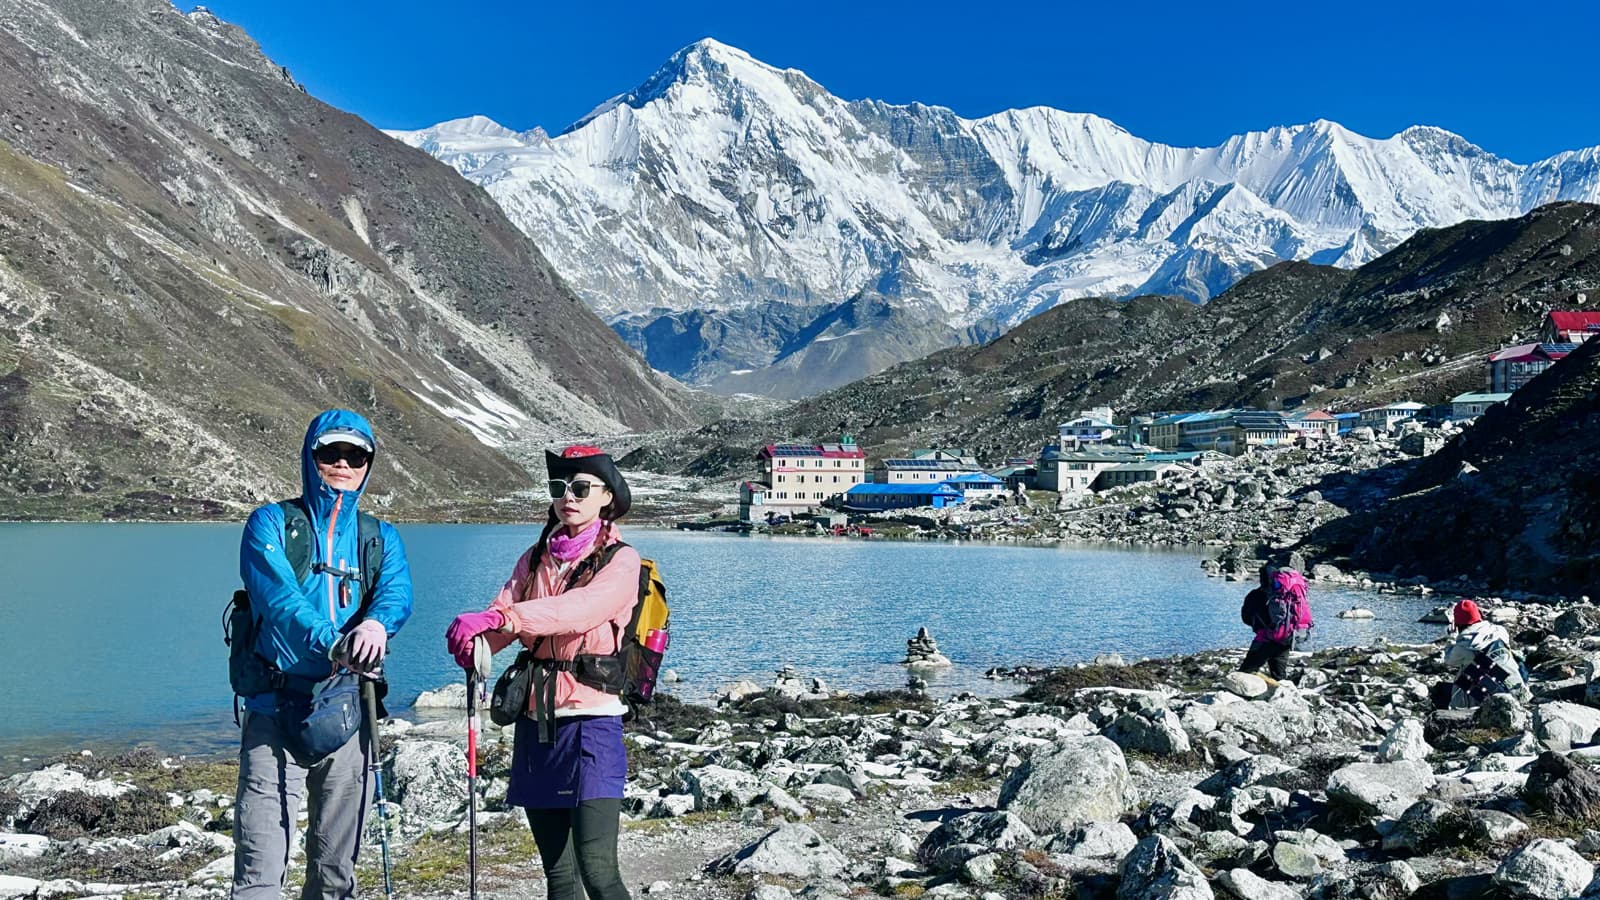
[1019, 471]
[801, 477]
[1249, 429]
[978, 485]
[1512, 367]
[1135, 473]
[1347, 421]
[925, 467]
[1073, 471]
[899, 496]
[1569, 327]
[1165, 432]
[1384, 418]
[1092, 426]
[1468, 406]
[1312, 426]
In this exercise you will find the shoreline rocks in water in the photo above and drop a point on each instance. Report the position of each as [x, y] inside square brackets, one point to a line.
[1151, 779]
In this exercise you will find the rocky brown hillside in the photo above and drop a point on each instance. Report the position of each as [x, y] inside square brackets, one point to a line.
[1415, 323]
[1514, 502]
[196, 256]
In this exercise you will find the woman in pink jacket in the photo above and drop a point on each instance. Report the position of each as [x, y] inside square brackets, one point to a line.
[569, 598]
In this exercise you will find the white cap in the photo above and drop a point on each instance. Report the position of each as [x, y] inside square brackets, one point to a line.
[344, 436]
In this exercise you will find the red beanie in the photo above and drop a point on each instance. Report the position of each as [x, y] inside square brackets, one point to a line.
[1466, 613]
[579, 451]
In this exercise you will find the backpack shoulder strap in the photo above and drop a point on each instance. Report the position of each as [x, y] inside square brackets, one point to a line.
[369, 533]
[297, 536]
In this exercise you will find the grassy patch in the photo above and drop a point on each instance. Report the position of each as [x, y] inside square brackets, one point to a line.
[74, 814]
[120, 866]
[687, 820]
[1060, 684]
[436, 863]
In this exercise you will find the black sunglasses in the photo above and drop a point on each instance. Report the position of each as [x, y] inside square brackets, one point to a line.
[579, 489]
[328, 454]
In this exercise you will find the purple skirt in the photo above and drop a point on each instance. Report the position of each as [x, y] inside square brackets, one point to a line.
[585, 762]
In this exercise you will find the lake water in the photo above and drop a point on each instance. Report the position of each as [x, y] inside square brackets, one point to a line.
[111, 635]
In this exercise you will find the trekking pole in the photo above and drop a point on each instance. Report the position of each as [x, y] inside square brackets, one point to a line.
[369, 696]
[476, 677]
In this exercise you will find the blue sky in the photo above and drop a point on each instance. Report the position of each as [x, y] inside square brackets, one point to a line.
[1516, 79]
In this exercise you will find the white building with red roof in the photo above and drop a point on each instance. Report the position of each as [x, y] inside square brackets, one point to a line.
[802, 477]
[1569, 327]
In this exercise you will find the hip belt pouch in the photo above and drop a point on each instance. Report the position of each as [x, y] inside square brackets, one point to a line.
[510, 699]
[318, 724]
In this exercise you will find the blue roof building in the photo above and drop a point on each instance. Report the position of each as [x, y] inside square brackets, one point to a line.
[902, 496]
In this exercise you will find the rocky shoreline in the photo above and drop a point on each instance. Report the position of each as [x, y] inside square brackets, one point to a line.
[1157, 779]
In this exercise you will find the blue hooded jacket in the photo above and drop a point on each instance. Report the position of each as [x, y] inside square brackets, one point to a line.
[299, 621]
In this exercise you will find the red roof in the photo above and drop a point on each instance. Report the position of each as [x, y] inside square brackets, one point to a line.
[1526, 352]
[1575, 321]
[825, 451]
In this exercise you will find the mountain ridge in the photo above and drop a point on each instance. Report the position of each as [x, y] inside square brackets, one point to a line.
[721, 185]
[196, 256]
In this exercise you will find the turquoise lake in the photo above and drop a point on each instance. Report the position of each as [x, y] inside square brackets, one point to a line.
[111, 635]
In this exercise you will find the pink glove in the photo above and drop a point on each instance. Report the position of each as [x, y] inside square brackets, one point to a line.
[458, 637]
[362, 649]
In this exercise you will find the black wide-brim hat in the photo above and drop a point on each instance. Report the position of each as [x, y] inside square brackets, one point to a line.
[601, 466]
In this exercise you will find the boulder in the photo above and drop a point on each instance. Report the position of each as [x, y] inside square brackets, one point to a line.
[1491, 826]
[13, 887]
[792, 849]
[451, 696]
[1404, 742]
[1245, 684]
[1074, 781]
[1247, 885]
[1096, 840]
[427, 780]
[716, 787]
[1263, 768]
[990, 831]
[1561, 787]
[1295, 860]
[1391, 881]
[1564, 725]
[22, 846]
[1156, 870]
[1544, 869]
[1156, 731]
[1387, 788]
[1503, 712]
[1421, 827]
[1261, 721]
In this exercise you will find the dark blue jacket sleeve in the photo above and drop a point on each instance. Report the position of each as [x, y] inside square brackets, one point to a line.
[391, 601]
[292, 627]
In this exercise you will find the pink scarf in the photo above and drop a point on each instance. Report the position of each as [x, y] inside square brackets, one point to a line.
[568, 548]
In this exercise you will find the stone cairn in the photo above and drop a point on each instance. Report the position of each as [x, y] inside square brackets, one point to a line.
[922, 652]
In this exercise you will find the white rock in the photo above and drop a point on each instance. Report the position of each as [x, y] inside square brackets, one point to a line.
[1545, 869]
[451, 696]
[1245, 684]
[1404, 741]
[1077, 780]
[1563, 725]
[826, 795]
[15, 886]
[1247, 885]
[22, 846]
[790, 849]
[220, 869]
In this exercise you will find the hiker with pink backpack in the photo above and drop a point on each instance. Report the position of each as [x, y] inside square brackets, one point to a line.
[1280, 613]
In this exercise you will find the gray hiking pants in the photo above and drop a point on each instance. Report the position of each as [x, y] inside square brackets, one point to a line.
[271, 784]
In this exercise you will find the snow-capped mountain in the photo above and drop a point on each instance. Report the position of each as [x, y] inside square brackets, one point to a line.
[750, 231]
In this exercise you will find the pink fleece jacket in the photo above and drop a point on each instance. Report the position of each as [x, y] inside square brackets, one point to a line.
[586, 619]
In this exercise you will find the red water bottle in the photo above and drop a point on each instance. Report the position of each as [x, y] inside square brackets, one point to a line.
[655, 641]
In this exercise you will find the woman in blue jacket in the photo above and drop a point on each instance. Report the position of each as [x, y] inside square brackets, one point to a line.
[314, 625]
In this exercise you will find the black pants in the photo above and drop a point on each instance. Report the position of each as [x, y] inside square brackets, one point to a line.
[1274, 654]
[580, 844]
